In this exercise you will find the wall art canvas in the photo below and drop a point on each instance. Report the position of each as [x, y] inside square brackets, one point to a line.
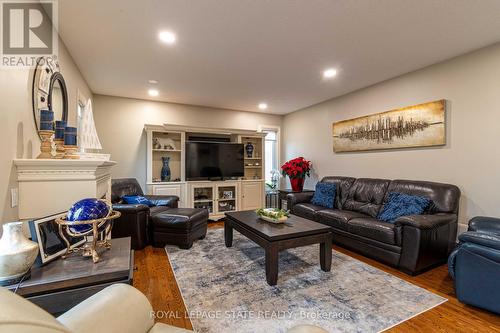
[421, 125]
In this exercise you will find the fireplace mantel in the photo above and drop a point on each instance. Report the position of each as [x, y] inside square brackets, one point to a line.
[51, 186]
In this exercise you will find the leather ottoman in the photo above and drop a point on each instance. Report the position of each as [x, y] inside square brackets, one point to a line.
[179, 226]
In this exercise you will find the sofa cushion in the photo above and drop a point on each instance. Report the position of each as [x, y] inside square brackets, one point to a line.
[324, 195]
[343, 184]
[366, 196]
[444, 197]
[372, 228]
[337, 218]
[400, 204]
[307, 210]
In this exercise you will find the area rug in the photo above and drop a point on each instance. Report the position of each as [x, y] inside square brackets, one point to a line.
[225, 290]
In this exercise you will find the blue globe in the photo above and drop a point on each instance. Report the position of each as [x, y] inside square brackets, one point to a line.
[86, 209]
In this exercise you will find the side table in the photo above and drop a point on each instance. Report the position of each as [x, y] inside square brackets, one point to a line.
[61, 284]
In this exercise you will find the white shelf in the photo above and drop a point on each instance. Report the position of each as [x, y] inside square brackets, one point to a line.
[234, 199]
[167, 150]
[165, 183]
[253, 166]
[204, 200]
[227, 211]
[253, 158]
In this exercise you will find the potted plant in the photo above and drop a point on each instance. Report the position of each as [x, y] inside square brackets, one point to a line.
[297, 169]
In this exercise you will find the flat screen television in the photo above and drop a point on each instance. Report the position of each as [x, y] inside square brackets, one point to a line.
[213, 160]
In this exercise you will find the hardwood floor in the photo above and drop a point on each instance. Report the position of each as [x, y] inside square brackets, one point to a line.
[155, 278]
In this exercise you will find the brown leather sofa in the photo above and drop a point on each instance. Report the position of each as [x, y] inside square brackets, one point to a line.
[413, 243]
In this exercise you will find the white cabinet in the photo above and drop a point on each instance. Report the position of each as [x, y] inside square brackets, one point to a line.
[201, 195]
[227, 197]
[218, 197]
[252, 194]
[178, 189]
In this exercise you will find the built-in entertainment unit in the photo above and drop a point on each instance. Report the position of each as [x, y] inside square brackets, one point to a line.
[218, 169]
[214, 160]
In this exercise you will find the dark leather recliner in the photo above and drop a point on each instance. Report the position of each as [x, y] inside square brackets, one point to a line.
[134, 221]
[475, 264]
[413, 243]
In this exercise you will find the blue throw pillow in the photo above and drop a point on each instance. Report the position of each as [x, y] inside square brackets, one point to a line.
[324, 195]
[400, 204]
[137, 200]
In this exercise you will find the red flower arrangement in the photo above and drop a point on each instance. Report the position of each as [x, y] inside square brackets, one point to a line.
[297, 169]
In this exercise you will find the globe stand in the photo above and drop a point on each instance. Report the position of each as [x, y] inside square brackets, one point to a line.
[100, 233]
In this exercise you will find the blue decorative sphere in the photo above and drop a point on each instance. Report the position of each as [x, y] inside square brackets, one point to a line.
[84, 210]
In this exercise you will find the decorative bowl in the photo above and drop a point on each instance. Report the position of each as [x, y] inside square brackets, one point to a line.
[273, 215]
[84, 210]
[274, 220]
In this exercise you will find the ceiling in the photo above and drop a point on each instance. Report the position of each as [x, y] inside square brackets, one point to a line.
[235, 54]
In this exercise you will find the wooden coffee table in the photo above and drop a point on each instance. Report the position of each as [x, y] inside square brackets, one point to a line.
[295, 232]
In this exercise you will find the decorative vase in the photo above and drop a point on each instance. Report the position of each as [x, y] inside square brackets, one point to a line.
[249, 149]
[165, 170]
[17, 253]
[297, 184]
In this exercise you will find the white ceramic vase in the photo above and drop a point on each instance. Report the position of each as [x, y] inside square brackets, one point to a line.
[17, 253]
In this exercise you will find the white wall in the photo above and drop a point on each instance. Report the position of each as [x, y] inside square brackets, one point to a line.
[471, 158]
[120, 126]
[18, 131]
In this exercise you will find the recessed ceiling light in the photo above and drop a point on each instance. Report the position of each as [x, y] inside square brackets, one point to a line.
[167, 37]
[262, 106]
[152, 82]
[329, 73]
[153, 92]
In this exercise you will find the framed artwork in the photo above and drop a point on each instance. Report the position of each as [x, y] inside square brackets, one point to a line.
[45, 232]
[421, 125]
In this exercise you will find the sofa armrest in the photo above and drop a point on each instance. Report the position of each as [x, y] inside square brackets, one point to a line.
[296, 198]
[481, 238]
[427, 241]
[426, 221]
[171, 201]
[119, 308]
[485, 224]
[126, 209]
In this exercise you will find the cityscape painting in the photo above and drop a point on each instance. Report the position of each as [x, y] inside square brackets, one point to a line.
[421, 125]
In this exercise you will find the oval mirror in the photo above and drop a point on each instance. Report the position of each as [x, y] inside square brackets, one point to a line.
[49, 91]
[58, 97]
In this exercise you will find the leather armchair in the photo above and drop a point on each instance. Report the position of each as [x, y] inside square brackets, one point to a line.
[134, 221]
[119, 308]
[475, 264]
